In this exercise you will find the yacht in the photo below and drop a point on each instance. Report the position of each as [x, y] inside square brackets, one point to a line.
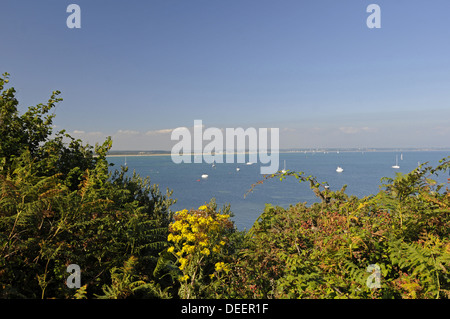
[205, 176]
[396, 163]
[339, 169]
[284, 170]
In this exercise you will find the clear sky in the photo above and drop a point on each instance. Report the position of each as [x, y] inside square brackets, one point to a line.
[137, 69]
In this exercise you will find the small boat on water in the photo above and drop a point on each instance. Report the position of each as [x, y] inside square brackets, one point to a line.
[339, 169]
[396, 163]
[284, 169]
[205, 176]
[237, 169]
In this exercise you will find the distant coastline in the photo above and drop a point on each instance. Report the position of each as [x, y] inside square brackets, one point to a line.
[299, 150]
[133, 155]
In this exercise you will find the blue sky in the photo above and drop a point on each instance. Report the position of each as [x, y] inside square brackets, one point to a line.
[138, 69]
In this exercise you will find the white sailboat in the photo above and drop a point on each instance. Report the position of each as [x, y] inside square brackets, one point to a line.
[237, 169]
[396, 163]
[339, 169]
[284, 170]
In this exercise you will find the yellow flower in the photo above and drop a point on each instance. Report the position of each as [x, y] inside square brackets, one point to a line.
[222, 266]
[171, 249]
[183, 278]
[176, 226]
[204, 207]
[188, 249]
[205, 251]
[216, 249]
[183, 262]
[190, 237]
[191, 219]
[182, 212]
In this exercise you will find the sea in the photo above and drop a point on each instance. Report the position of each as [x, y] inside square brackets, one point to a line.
[362, 174]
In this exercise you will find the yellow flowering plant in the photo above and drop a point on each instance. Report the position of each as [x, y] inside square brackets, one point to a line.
[198, 239]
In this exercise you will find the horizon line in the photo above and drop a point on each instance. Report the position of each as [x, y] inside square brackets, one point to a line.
[286, 150]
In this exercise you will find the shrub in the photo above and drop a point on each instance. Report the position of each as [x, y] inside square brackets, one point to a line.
[200, 240]
[325, 250]
[61, 205]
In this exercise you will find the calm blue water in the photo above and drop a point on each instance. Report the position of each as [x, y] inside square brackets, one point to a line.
[362, 174]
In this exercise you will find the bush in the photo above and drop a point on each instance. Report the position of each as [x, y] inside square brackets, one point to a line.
[201, 240]
[61, 205]
[326, 250]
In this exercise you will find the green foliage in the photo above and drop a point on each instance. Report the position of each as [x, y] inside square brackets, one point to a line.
[201, 242]
[323, 251]
[125, 286]
[61, 205]
[24, 132]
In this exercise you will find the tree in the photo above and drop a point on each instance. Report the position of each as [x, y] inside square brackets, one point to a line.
[60, 204]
